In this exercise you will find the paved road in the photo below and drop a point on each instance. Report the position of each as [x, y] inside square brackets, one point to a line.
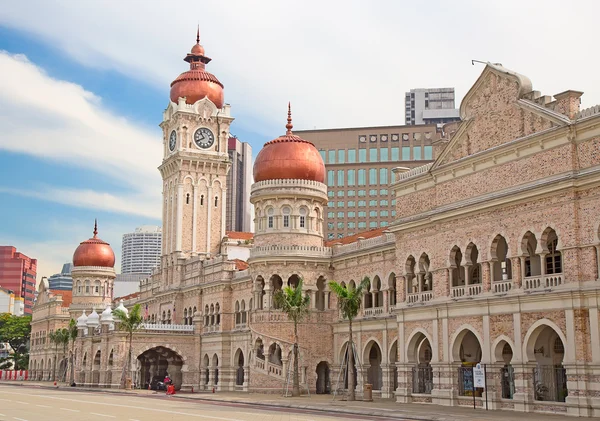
[24, 404]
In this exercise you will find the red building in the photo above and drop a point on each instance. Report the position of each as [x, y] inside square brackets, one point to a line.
[17, 273]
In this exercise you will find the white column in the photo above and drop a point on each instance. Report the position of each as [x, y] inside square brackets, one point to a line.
[597, 262]
[194, 217]
[518, 351]
[570, 355]
[594, 333]
[486, 345]
[209, 205]
[179, 227]
[436, 342]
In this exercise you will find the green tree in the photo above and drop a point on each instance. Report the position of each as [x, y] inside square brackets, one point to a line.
[129, 322]
[349, 301]
[60, 338]
[16, 331]
[292, 302]
[72, 332]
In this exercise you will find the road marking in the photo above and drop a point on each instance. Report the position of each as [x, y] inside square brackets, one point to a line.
[69, 409]
[22, 403]
[103, 415]
[44, 406]
[19, 419]
[167, 411]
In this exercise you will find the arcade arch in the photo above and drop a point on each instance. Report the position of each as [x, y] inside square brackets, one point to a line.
[158, 362]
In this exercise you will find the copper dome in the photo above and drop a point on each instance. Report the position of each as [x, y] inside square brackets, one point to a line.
[94, 252]
[289, 157]
[197, 83]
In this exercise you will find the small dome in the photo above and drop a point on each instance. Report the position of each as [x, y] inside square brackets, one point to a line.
[93, 319]
[82, 320]
[94, 252]
[198, 50]
[107, 316]
[289, 157]
[122, 308]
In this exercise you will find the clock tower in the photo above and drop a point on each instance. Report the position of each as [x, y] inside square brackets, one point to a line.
[195, 164]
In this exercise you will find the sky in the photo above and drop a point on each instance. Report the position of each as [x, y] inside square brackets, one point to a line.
[83, 85]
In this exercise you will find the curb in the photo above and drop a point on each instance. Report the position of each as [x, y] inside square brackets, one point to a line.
[339, 410]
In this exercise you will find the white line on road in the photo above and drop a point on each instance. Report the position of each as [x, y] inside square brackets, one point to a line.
[44, 406]
[19, 419]
[2, 415]
[22, 403]
[69, 409]
[171, 412]
[103, 415]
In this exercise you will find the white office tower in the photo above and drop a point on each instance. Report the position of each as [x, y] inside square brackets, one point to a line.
[141, 250]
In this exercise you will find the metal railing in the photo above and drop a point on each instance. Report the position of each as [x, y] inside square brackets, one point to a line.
[422, 379]
[550, 383]
[507, 379]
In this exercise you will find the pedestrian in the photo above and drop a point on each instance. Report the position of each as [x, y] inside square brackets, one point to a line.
[167, 383]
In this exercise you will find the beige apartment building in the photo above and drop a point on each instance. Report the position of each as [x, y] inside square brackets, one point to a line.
[359, 163]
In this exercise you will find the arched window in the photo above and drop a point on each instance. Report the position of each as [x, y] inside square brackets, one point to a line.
[212, 314]
[270, 213]
[206, 316]
[553, 258]
[201, 200]
[164, 317]
[218, 314]
[243, 310]
[286, 216]
[185, 322]
[237, 313]
[169, 317]
[302, 218]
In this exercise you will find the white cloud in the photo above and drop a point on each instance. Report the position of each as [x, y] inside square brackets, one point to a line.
[341, 63]
[60, 121]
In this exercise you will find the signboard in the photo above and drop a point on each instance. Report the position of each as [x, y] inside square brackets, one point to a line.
[479, 376]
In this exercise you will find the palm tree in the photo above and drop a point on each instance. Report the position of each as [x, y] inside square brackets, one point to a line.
[72, 334]
[59, 337]
[349, 301]
[129, 323]
[292, 302]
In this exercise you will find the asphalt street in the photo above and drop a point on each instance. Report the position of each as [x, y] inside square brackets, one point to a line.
[22, 404]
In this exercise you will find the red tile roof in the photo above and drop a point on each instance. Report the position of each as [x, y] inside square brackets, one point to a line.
[127, 297]
[237, 235]
[67, 296]
[375, 232]
[240, 264]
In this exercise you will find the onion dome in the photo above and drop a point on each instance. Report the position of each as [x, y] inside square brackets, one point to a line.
[93, 319]
[197, 83]
[106, 317]
[94, 252]
[82, 321]
[122, 308]
[289, 157]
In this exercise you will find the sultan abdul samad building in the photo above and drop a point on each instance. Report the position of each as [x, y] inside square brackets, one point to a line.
[493, 258]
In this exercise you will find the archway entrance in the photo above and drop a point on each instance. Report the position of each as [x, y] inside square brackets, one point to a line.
[156, 363]
[239, 376]
[420, 354]
[503, 354]
[374, 373]
[467, 350]
[549, 376]
[323, 381]
[96, 369]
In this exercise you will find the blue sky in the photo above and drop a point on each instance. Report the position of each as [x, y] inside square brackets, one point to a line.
[83, 86]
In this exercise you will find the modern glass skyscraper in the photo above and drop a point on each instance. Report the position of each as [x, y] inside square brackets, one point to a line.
[141, 250]
[62, 281]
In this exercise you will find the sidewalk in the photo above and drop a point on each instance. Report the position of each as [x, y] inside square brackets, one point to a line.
[379, 407]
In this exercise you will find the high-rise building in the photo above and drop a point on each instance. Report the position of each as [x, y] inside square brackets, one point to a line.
[141, 250]
[239, 180]
[17, 274]
[63, 280]
[430, 106]
[10, 304]
[359, 164]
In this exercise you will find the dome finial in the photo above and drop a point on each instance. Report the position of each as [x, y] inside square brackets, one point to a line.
[95, 227]
[289, 125]
[198, 34]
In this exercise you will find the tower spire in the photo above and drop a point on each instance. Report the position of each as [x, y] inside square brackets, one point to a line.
[95, 227]
[198, 35]
[289, 125]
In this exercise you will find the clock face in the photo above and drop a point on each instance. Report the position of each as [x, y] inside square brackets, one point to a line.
[204, 138]
[172, 141]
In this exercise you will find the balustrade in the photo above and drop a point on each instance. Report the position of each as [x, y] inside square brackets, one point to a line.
[168, 327]
[466, 290]
[371, 312]
[502, 287]
[542, 282]
[417, 297]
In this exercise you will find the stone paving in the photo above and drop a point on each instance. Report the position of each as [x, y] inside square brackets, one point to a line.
[379, 407]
